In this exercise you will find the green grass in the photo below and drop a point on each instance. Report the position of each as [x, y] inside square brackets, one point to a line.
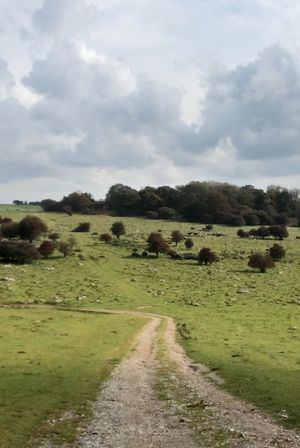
[243, 323]
[52, 363]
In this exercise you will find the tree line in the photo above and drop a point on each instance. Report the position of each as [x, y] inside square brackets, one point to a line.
[205, 202]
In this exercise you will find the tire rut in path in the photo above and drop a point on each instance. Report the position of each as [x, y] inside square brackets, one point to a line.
[127, 413]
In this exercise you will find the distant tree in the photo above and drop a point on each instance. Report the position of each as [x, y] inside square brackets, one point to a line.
[263, 232]
[281, 219]
[235, 220]
[18, 252]
[123, 200]
[82, 227]
[176, 236]
[106, 237]
[251, 219]
[189, 243]
[253, 233]
[166, 212]
[67, 209]
[207, 256]
[278, 232]
[157, 244]
[66, 247]
[46, 248]
[151, 214]
[118, 229]
[260, 261]
[31, 228]
[264, 217]
[49, 205]
[78, 201]
[242, 233]
[18, 202]
[10, 230]
[276, 252]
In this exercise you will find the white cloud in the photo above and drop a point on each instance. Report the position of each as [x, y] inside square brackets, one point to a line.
[148, 91]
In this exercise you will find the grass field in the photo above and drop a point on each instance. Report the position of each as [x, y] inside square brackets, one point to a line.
[52, 363]
[244, 324]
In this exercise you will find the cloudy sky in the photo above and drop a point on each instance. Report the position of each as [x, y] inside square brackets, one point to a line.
[147, 92]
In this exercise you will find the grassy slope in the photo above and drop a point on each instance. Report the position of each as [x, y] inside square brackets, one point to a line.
[240, 322]
[52, 361]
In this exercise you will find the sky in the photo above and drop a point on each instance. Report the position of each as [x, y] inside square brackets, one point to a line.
[147, 92]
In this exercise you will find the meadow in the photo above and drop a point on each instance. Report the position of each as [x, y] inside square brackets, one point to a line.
[245, 325]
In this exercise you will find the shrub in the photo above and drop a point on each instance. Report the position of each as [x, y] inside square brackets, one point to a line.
[263, 232]
[206, 256]
[278, 232]
[276, 252]
[31, 228]
[189, 243]
[209, 227]
[174, 255]
[145, 253]
[18, 252]
[46, 248]
[242, 234]
[189, 256]
[66, 247]
[82, 227]
[5, 220]
[10, 229]
[54, 236]
[259, 261]
[118, 229]
[176, 236]
[157, 244]
[106, 237]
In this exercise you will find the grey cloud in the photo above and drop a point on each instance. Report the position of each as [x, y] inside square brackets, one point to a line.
[257, 106]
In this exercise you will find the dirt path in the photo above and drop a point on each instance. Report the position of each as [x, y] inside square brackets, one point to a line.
[129, 414]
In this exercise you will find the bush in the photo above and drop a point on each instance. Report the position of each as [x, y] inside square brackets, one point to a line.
[18, 252]
[31, 228]
[206, 256]
[66, 247]
[10, 230]
[174, 255]
[209, 227]
[82, 227]
[118, 229]
[189, 256]
[276, 252]
[106, 237]
[278, 232]
[263, 232]
[189, 243]
[259, 261]
[157, 244]
[176, 236]
[242, 234]
[46, 248]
